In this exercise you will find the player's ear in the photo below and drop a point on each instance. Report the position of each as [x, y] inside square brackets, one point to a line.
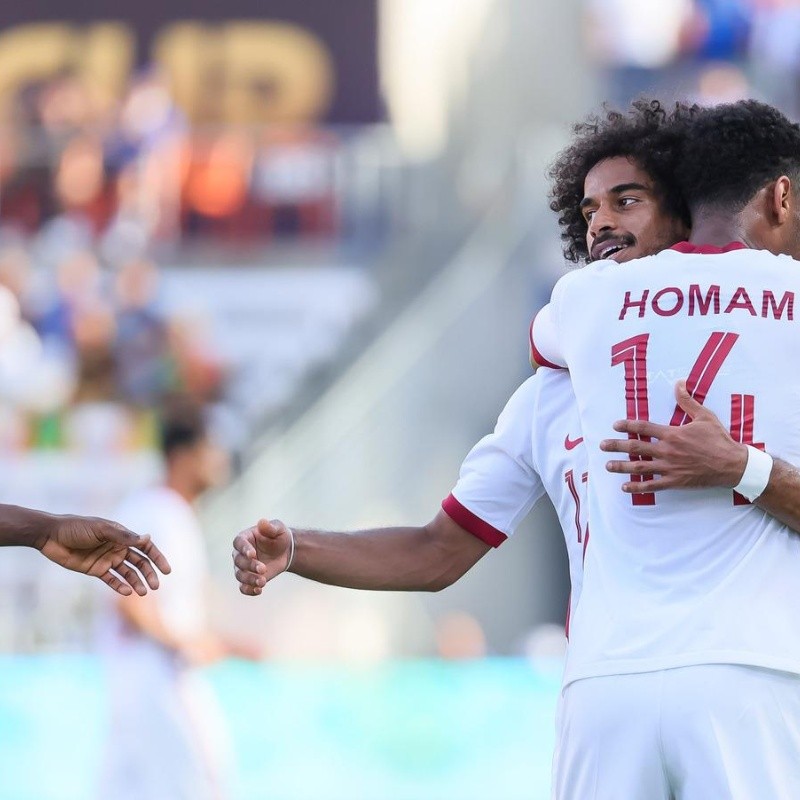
[781, 200]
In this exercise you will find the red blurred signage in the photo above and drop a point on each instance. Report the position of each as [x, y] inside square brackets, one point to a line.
[231, 60]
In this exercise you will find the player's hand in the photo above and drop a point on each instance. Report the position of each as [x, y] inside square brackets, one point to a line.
[106, 550]
[259, 554]
[699, 454]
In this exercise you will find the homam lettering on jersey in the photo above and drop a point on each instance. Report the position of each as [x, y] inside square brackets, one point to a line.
[708, 301]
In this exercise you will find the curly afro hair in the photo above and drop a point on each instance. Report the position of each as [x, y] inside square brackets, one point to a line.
[648, 133]
[735, 149]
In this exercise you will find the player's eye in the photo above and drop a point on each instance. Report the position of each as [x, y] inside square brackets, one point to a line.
[628, 201]
[588, 214]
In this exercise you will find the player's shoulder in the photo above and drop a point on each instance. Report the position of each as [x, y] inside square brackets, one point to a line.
[546, 388]
[739, 263]
[526, 394]
[542, 380]
[780, 260]
[570, 278]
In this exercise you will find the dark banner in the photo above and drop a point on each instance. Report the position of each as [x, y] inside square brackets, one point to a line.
[235, 60]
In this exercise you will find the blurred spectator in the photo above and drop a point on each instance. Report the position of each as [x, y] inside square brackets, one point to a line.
[63, 106]
[89, 189]
[293, 186]
[29, 379]
[629, 34]
[93, 333]
[775, 51]
[15, 273]
[142, 363]
[714, 50]
[725, 26]
[216, 182]
[148, 120]
[143, 152]
[722, 83]
[78, 283]
[135, 173]
[636, 42]
[198, 370]
[80, 182]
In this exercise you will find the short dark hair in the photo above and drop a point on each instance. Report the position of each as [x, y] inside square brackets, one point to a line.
[734, 150]
[647, 133]
[182, 424]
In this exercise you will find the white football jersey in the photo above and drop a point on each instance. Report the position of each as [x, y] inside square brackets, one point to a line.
[172, 523]
[682, 577]
[537, 447]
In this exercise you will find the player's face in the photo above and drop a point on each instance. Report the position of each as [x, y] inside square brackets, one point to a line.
[624, 213]
[210, 464]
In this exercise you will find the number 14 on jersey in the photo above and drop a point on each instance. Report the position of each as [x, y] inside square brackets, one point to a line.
[631, 354]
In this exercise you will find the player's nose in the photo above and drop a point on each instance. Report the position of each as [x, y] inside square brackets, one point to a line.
[603, 220]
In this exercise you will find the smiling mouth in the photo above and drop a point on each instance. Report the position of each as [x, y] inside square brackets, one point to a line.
[609, 250]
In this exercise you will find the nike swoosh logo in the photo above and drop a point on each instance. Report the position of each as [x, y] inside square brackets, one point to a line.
[571, 444]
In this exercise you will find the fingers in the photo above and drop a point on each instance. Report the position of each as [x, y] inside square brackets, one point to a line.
[131, 577]
[243, 544]
[686, 401]
[248, 570]
[272, 529]
[116, 584]
[654, 485]
[243, 562]
[246, 578]
[119, 534]
[154, 554]
[645, 467]
[641, 427]
[144, 566]
[633, 447]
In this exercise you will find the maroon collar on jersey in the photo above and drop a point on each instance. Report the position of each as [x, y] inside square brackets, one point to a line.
[707, 249]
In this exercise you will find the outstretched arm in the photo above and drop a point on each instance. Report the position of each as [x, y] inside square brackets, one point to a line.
[426, 558]
[700, 454]
[91, 545]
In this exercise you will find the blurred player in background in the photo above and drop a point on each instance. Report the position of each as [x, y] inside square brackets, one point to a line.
[167, 739]
[683, 673]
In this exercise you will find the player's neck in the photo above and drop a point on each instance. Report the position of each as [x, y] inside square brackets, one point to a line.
[717, 228]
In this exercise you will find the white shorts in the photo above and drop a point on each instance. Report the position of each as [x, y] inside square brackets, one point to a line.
[710, 732]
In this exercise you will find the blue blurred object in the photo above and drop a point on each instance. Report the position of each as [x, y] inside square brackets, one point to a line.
[728, 29]
[417, 730]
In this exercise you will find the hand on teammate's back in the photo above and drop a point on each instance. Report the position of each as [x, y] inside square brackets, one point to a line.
[699, 453]
[259, 554]
[101, 548]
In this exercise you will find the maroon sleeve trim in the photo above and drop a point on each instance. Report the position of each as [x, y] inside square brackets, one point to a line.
[469, 522]
[536, 356]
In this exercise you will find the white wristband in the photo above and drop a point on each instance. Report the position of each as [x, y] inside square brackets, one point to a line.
[291, 549]
[756, 473]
